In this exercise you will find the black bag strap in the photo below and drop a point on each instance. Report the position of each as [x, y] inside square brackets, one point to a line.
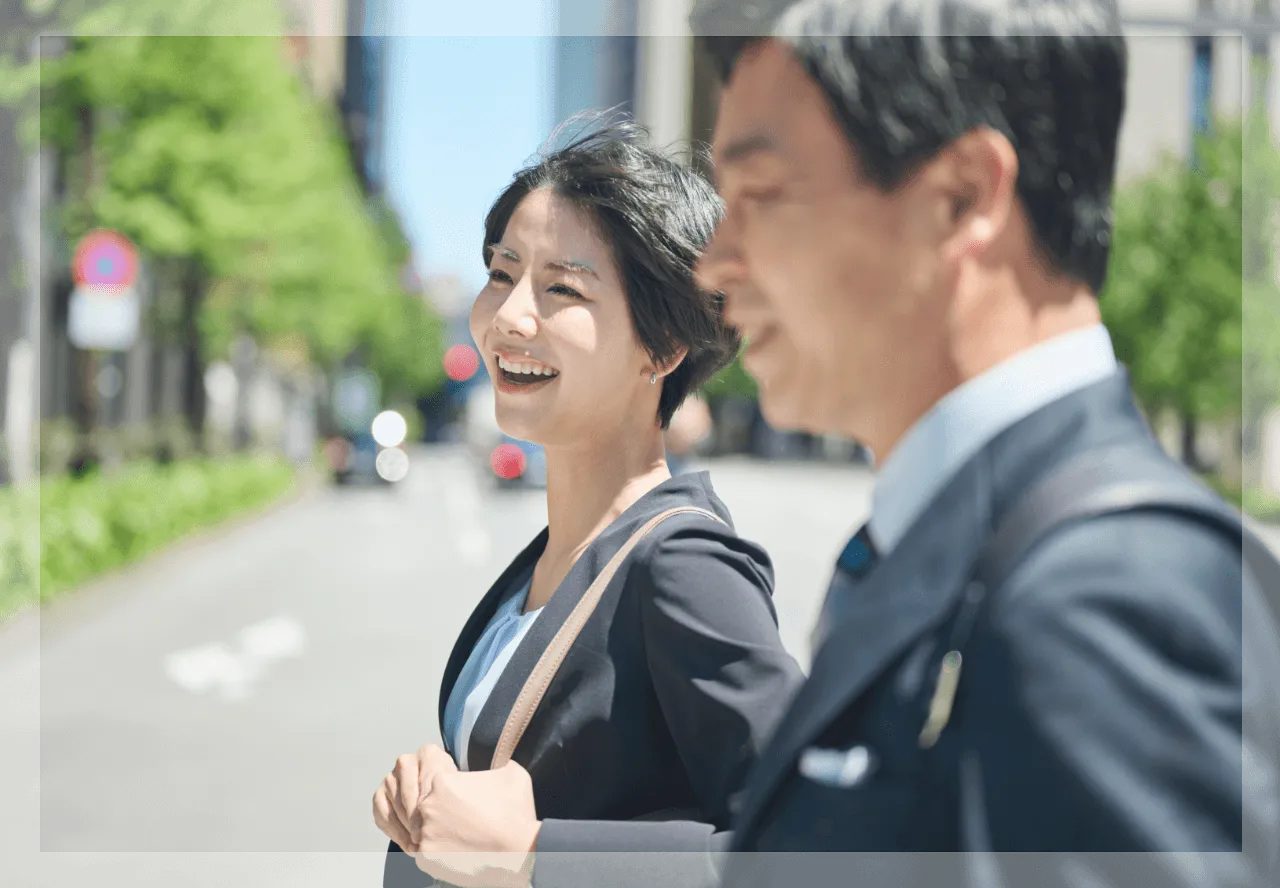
[1104, 481]
[1108, 481]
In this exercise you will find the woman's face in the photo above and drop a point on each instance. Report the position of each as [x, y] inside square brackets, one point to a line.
[553, 327]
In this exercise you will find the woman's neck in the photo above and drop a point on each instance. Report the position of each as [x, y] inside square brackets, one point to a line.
[590, 485]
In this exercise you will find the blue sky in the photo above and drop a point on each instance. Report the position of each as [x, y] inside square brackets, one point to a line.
[463, 114]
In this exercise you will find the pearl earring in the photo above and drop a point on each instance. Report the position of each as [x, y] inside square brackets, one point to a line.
[653, 379]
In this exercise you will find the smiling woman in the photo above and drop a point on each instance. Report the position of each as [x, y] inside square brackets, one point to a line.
[627, 664]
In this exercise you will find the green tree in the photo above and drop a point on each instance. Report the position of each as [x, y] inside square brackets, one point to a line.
[732, 382]
[211, 156]
[1173, 295]
[21, 22]
[1261, 310]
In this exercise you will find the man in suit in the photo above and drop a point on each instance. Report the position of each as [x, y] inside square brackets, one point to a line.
[915, 240]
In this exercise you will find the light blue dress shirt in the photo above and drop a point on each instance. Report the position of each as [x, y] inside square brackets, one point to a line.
[967, 419]
[483, 668]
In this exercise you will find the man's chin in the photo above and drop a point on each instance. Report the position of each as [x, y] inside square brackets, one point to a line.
[784, 411]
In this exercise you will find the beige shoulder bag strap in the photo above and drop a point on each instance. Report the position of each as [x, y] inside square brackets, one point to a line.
[545, 670]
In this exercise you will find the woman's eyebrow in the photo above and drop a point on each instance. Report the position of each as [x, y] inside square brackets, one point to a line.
[573, 265]
[507, 253]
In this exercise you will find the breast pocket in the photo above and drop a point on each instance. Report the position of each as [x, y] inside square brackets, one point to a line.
[841, 800]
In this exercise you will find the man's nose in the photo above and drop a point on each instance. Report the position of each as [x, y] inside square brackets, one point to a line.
[721, 261]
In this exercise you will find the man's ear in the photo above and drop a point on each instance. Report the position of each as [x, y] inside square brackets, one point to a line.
[980, 178]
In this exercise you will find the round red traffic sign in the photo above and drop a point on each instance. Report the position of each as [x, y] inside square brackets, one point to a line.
[105, 258]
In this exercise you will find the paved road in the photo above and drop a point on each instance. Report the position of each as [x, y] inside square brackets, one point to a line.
[247, 693]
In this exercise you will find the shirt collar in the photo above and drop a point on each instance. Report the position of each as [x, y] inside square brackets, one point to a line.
[968, 418]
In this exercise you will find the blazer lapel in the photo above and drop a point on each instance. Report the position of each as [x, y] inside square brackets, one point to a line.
[677, 491]
[480, 618]
[908, 593]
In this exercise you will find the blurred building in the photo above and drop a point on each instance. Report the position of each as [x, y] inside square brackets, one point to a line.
[316, 40]
[594, 58]
[1187, 59]
[363, 89]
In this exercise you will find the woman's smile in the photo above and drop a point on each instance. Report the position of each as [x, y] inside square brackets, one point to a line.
[522, 375]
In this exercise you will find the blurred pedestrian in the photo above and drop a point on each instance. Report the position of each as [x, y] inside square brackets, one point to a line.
[690, 428]
[646, 723]
[1036, 644]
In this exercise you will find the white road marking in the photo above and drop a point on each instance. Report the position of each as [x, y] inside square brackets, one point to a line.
[232, 670]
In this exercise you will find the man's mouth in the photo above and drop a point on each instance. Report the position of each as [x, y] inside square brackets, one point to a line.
[753, 341]
[526, 372]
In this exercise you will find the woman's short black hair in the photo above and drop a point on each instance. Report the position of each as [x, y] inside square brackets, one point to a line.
[656, 215]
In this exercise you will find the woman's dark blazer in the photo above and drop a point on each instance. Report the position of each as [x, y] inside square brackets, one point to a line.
[669, 693]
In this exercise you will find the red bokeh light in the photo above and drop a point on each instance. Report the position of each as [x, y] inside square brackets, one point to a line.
[508, 461]
[461, 363]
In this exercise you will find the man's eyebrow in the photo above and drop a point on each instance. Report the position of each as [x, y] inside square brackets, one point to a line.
[573, 265]
[740, 150]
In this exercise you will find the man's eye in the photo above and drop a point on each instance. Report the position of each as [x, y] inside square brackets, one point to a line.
[498, 276]
[762, 195]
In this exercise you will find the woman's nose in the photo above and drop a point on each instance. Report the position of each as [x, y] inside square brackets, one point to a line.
[518, 314]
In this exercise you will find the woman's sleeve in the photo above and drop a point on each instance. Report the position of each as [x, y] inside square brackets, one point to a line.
[723, 680]
[721, 674]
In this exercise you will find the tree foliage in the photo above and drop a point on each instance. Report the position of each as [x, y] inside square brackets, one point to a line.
[1172, 300]
[208, 151]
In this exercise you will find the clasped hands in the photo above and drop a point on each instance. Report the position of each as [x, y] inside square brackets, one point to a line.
[472, 829]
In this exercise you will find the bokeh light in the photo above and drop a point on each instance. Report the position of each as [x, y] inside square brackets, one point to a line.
[508, 461]
[389, 428]
[392, 465]
[461, 363]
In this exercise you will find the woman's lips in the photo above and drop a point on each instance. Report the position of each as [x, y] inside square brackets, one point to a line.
[507, 385]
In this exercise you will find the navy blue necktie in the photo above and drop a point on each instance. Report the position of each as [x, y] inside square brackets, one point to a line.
[855, 562]
[859, 554]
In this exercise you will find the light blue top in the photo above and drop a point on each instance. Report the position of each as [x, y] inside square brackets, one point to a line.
[967, 419]
[483, 668]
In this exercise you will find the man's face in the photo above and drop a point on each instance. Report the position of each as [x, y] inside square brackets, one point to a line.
[833, 282]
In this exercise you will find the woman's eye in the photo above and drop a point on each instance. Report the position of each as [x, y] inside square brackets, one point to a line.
[564, 291]
[498, 276]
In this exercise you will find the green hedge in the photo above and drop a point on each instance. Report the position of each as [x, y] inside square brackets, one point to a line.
[1262, 506]
[91, 525]
[1251, 501]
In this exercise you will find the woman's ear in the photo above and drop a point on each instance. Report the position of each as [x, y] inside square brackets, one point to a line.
[666, 369]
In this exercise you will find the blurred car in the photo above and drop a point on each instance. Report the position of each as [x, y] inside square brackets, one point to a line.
[373, 456]
[509, 462]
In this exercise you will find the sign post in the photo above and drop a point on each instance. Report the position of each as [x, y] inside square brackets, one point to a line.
[20, 412]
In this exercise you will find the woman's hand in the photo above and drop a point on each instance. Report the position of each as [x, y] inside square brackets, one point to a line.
[395, 803]
[476, 828]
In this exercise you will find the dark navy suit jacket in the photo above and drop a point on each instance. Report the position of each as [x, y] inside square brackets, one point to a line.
[1100, 715]
[666, 698]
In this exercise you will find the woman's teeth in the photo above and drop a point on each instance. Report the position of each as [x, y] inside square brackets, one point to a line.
[525, 369]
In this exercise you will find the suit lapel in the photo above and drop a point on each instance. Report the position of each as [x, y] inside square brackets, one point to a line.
[679, 491]
[908, 593]
[480, 618]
